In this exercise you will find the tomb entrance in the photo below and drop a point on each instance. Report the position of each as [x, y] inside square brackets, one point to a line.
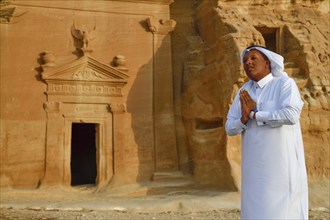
[84, 99]
[83, 154]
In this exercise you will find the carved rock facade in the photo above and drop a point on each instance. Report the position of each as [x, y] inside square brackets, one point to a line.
[154, 83]
[99, 72]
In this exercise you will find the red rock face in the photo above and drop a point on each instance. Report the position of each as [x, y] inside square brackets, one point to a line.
[212, 74]
[156, 79]
[110, 67]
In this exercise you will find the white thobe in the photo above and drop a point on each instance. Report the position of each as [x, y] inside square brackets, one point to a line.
[274, 179]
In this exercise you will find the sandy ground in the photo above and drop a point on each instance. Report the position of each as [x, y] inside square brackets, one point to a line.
[30, 214]
[135, 203]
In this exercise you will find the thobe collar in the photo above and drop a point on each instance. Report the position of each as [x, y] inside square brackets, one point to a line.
[261, 83]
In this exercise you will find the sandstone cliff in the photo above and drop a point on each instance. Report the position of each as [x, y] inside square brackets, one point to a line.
[207, 71]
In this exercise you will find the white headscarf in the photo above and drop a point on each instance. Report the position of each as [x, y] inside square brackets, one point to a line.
[276, 60]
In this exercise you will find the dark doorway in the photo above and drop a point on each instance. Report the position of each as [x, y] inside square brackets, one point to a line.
[83, 154]
[270, 36]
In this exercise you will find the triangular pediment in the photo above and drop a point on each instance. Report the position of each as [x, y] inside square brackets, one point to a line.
[85, 69]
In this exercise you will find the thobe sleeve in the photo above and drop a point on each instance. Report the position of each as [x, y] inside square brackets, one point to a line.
[234, 125]
[288, 109]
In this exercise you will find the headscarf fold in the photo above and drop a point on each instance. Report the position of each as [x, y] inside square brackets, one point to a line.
[276, 60]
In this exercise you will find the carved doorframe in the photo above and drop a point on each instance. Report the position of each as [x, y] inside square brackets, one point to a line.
[83, 91]
[104, 150]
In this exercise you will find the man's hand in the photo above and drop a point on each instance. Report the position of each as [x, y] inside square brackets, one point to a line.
[247, 105]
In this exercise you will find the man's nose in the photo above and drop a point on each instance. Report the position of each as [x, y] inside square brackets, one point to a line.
[248, 62]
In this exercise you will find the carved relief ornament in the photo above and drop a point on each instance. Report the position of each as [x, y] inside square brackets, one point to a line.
[84, 36]
[84, 89]
[161, 26]
[117, 108]
[85, 76]
[52, 107]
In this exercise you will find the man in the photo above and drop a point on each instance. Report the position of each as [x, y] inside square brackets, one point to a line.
[266, 112]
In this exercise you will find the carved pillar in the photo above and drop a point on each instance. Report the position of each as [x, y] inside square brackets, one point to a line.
[166, 157]
[118, 110]
[54, 153]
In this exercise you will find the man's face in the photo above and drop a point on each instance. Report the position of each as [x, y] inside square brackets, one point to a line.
[255, 65]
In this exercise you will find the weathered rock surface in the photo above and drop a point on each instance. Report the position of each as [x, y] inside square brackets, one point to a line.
[155, 79]
[208, 74]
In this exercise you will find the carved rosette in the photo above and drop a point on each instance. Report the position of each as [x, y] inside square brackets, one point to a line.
[161, 26]
[84, 89]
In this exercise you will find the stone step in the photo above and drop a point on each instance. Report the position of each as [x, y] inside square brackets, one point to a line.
[170, 177]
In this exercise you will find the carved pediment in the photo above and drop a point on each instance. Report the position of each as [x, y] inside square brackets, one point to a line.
[85, 69]
[85, 76]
